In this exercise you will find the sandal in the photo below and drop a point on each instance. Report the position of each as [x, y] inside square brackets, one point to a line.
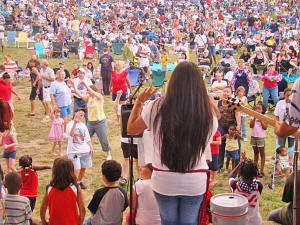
[123, 182]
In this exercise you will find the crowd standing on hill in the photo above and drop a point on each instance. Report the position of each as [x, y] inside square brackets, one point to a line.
[256, 41]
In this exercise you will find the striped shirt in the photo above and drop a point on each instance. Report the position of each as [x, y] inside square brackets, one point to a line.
[17, 209]
[10, 66]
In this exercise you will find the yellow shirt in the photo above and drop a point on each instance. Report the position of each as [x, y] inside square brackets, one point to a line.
[231, 144]
[95, 109]
[164, 60]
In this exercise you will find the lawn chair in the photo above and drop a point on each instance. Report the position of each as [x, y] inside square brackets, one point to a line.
[101, 46]
[89, 52]
[253, 94]
[35, 30]
[158, 78]
[39, 49]
[23, 38]
[57, 49]
[133, 75]
[117, 48]
[73, 47]
[11, 37]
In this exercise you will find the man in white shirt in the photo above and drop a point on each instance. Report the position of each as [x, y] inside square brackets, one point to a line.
[144, 52]
[235, 43]
[47, 77]
[201, 41]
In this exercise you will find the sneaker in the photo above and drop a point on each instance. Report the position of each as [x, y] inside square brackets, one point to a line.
[108, 157]
[123, 182]
[226, 171]
[46, 119]
[261, 175]
[267, 112]
[213, 183]
[83, 187]
[245, 139]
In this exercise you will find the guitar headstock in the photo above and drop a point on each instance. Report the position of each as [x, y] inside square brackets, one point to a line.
[233, 103]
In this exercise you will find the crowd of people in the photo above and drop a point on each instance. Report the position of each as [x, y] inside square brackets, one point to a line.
[233, 46]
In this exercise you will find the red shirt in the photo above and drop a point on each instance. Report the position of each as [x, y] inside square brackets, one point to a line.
[215, 148]
[269, 79]
[63, 208]
[118, 81]
[5, 90]
[30, 182]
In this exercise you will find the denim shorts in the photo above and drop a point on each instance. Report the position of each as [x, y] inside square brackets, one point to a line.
[65, 111]
[9, 155]
[123, 96]
[213, 165]
[81, 160]
[232, 154]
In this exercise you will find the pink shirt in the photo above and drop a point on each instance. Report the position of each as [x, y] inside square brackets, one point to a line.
[7, 140]
[257, 130]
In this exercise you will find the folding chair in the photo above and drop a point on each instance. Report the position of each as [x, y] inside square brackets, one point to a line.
[39, 48]
[133, 75]
[89, 51]
[73, 47]
[11, 37]
[23, 38]
[117, 48]
[158, 78]
[35, 30]
[57, 49]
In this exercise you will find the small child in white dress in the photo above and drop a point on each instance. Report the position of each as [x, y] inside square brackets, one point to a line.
[284, 162]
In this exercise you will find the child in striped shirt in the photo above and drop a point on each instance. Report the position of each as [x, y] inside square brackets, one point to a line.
[17, 207]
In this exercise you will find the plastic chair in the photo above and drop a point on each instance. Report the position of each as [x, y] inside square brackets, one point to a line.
[117, 48]
[23, 38]
[11, 37]
[35, 30]
[133, 75]
[39, 48]
[158, 78]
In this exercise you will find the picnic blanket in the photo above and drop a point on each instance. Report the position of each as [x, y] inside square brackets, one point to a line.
[158, 67]
[291, 79]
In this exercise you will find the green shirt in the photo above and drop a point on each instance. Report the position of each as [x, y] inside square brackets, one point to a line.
[286, 214]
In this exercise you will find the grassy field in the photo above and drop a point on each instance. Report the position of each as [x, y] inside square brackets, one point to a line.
[32, 138]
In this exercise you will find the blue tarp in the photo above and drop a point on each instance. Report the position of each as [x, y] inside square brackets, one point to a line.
[158, 67]
[291, 79]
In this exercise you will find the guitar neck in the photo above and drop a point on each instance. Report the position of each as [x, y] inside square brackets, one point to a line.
[263, 118]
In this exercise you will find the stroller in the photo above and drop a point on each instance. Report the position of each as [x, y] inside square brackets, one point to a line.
[275, 177]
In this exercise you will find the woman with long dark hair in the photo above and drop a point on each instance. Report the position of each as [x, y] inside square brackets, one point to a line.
[6, 116]
[183, 123]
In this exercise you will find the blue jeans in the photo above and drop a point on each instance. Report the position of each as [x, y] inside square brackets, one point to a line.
[178, 210]
[266, 93]
[243, 127]
[100, 128]
[79, 103]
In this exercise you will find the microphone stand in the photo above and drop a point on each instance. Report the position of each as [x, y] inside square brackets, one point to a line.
[295, 184]
[131, 159]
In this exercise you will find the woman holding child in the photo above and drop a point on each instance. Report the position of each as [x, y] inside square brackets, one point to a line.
[178, 138]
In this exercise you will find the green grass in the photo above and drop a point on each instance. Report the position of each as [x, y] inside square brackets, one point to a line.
[32, 137]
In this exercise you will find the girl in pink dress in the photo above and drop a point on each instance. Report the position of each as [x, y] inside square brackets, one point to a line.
[56, 131]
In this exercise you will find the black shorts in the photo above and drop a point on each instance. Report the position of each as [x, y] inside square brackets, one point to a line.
[126, 150]
[213, 165]
[32, 201]
[33, 93]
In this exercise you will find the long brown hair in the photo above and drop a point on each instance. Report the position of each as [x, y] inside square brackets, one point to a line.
[185, 118]
[62, 173]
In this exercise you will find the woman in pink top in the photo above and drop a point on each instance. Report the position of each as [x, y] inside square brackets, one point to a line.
[258, 135]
